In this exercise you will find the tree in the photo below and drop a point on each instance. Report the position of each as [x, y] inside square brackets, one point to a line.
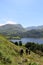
[16, 43]
[35, 47]
[20, 43]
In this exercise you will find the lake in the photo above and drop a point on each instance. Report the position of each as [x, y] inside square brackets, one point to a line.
[25, 40]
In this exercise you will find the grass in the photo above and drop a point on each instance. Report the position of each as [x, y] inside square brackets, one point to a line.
[9, 54]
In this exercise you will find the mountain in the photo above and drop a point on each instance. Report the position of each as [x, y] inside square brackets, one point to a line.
[35, 28]
[9, 54]
[34, 31]
[11, 28]
[33, 34]
[18, 30]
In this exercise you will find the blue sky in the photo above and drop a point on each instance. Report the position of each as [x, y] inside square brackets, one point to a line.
[24, 12]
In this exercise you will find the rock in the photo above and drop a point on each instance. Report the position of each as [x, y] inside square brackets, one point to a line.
[25, 60]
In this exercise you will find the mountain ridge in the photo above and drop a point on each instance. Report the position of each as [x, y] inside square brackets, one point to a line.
[19, 30]
[28, 28]
[35, 27]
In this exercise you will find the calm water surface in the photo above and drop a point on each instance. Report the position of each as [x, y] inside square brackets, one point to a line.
[25, 40]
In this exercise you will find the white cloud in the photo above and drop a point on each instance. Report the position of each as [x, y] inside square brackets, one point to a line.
[10, 22]
[1, 24]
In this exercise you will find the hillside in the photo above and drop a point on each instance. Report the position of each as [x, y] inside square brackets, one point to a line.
[9, 54]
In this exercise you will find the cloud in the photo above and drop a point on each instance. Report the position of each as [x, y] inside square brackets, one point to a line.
[10, 22]
[1, 24]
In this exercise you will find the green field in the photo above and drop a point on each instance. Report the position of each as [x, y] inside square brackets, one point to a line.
[9, 54]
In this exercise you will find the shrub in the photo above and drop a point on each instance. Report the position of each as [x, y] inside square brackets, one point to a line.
[29, 63]
[1, 56]
[6, 60]
[33, 63]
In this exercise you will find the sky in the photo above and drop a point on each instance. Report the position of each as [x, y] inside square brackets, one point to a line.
[24, 12]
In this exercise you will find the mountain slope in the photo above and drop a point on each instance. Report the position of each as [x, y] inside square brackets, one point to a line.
[34, 33]
[34, 28]
[9, 54]
[11, 28]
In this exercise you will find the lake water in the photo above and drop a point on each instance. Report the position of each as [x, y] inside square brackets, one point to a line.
[25, 40]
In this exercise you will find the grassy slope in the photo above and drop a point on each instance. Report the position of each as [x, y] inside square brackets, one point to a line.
[11, 51]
